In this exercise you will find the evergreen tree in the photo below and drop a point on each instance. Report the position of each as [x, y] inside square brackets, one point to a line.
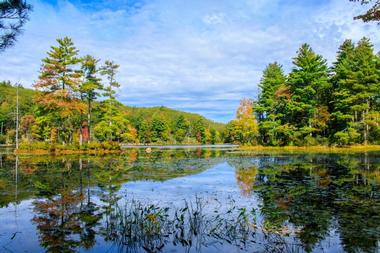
[59, 80]
[273, 77]
[309, 86]
[341, 124]
[90, 86]
[357, 79]
[110, 70]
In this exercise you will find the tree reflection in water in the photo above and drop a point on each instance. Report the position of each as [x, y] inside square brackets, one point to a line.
[67, 220]
[306, 203]
[318, 194]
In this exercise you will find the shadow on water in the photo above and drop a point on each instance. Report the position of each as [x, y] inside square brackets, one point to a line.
[304, 203]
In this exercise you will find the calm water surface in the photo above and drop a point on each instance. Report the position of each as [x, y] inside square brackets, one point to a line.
[195, 200]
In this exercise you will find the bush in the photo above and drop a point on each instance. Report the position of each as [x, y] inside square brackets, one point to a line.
[34, 146]
[3, 139]
[348, 137]
[111, 146]
[94, 146]
[310, 141]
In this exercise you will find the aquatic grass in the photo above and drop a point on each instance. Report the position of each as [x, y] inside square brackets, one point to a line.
[192, 226]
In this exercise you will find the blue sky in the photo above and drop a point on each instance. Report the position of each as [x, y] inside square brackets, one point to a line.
[200, 56]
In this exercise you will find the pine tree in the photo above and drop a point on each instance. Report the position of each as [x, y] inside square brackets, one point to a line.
[366, 88]
[309, 86]
[110, 70]
[273, 78]
[90, 86]
[342, 118]
[59, 81]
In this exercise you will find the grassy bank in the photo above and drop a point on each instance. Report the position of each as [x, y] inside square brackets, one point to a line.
[311, 149]
[116, 148]
[66, 152]
[43, 148]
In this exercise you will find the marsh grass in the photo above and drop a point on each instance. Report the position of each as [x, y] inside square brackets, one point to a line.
[192, 227]
[307, 149]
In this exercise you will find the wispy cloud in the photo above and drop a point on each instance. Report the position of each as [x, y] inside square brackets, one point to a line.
[200, 56]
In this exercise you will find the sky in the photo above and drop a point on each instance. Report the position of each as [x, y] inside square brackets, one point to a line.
[200, 56]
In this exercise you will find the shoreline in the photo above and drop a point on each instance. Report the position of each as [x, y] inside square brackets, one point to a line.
[66, 152]
[312, 149]
[235, 148]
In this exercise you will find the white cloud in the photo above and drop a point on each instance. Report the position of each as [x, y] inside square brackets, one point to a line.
[201, 55]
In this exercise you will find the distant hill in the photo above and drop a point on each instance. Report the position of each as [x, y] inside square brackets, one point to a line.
[165, 112]
[8, 105]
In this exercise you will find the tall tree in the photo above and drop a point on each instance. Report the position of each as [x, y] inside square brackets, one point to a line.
[273, 77]
[309, 86]
[272, 80]
[358, 76]
[110, 70]
[90, 86]
[342, 119]
[13, 15]
[59, 80]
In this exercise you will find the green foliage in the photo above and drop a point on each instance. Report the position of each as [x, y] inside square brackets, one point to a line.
[159, 129]
[65, 109]
[59, 81]
[308, 85]
[8, 105]
[181, 127]
[318, 105]
[128, 124]
[273, 77]
[244, 129]
[356, 90]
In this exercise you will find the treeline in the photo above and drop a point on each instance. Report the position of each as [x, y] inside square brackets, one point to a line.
[316, 104]
[75, 103]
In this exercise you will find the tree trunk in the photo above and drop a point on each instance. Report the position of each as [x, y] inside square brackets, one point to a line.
[89, 121]
[81, 130]
[364, 129]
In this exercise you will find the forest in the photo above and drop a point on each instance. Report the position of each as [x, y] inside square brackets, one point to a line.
[315, 104]
[74, 103]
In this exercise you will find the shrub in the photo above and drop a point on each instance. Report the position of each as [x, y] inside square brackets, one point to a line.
[34, 146]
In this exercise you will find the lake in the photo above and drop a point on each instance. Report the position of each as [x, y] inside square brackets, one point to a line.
[190, 200]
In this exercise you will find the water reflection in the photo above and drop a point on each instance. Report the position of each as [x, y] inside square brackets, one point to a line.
[324, 193]
[282, 203]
